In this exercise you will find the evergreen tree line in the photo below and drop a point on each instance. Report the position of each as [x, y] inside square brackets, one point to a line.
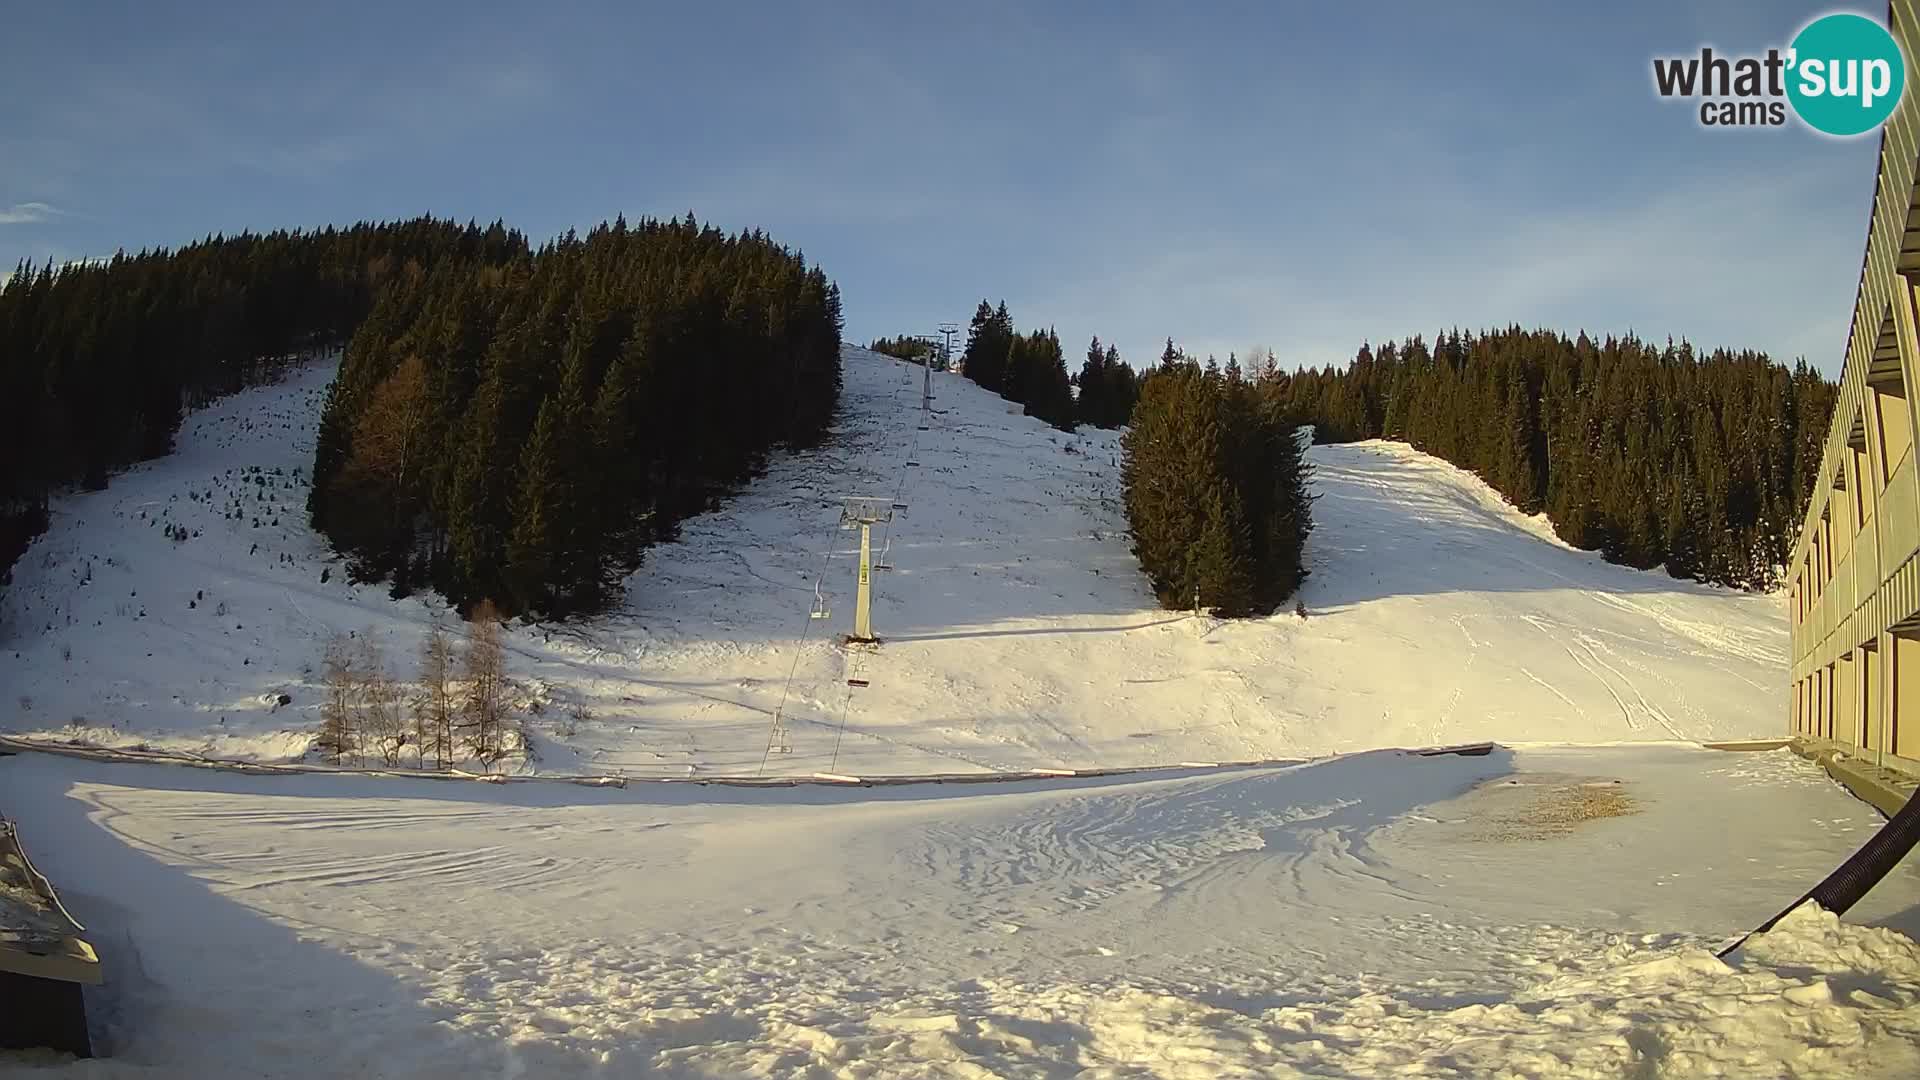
[1650, 455]
[1031, 369]
[100, 360]
[911, 349]
[522, 431]
[1108, 388]
[1216, 488]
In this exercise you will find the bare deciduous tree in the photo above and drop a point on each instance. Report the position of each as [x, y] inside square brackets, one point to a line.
[381, 723]
[433, 707]
[484, 710]
[340, 671]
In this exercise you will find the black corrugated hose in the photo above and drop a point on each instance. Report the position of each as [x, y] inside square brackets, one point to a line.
[1845, 886]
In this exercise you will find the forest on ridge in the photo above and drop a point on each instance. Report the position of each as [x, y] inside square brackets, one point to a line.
[509, 424]
[1651, 455]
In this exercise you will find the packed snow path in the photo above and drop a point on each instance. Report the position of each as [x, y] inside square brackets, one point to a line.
[1545, 912]
[1018, 630]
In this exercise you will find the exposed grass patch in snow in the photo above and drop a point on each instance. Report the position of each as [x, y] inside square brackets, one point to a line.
[1540, 807]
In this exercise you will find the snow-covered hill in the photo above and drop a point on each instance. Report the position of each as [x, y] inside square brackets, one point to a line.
[1017, 630]
[1545, 911]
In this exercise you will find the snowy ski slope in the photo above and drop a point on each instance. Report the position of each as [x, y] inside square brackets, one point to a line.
[1017, 629]
[1543, 911]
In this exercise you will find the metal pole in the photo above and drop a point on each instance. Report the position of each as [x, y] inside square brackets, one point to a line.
[947, 331]
[863, 607]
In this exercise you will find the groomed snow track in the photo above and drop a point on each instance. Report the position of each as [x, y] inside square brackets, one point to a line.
[198, 761]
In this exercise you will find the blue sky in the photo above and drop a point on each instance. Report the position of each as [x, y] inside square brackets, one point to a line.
[1295, 176]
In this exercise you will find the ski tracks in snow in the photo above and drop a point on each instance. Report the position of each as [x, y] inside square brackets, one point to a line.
[1584, 650]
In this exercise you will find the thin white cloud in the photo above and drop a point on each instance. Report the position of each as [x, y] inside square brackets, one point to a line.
[301, 125]
[28, 213]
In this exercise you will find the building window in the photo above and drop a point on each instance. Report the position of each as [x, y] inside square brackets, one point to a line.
[1895, 423]
[1887, 396]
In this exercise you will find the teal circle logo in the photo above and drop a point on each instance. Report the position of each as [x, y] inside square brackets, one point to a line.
[1845, 74]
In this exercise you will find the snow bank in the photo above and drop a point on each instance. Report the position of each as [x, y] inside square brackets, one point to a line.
[1856, 1013]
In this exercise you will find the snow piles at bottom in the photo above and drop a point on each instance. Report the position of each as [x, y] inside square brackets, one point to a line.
[1813, 997]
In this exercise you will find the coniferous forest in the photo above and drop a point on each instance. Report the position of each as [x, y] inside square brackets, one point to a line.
[1031, 369]
[911, 349]
[1108, 387]
[521, 432]
[1216, 488]
[1650, 455]
[99, 361]
[509, 424]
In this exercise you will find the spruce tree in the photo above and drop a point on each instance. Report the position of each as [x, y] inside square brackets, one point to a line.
[1220, 564]
[1049, 394]
[1092, 405]
[1123, 389]
[538, 529]
[1016, 374]
[989, 336]
[1216, 494]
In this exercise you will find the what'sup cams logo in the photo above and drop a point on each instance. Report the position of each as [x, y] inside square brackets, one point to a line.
[1843, 75]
